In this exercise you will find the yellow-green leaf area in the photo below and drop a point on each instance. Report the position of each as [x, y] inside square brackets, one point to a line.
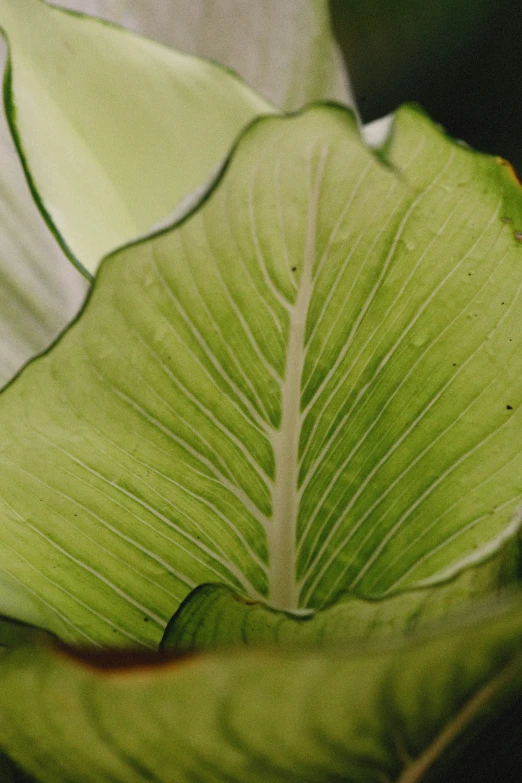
[308, 386]
[360, 713]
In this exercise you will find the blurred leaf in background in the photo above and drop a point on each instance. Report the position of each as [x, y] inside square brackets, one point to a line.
[461, 61]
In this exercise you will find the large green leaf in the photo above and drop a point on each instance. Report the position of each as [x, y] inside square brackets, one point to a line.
[286, 51]
[114, 130]
[405, 712]
[310, 385]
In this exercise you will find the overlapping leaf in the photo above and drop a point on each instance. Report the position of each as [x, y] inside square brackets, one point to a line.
[403, 713]
[213, 616]
[115, 129]
[286, 51]
[40, 292]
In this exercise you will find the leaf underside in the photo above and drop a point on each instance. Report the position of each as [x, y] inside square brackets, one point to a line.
[40, 291]
[308, 386]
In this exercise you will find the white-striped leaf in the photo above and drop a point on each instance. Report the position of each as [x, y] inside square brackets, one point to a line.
[309, 385]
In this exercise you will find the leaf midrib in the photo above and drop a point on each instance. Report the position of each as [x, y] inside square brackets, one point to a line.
[281, 532]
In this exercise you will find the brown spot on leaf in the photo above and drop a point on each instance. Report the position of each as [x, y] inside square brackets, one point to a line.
[122, 661]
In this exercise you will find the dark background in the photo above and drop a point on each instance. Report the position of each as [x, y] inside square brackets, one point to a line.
[460, 59]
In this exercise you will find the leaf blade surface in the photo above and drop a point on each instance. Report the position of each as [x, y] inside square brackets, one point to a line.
[290, 393]
[324, 714]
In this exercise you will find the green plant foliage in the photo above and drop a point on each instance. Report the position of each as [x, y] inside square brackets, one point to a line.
[399, 712]
[40, 291]
[309, 385]
[286, 51]
[115, 129]
[459, 60]
[14, 633]
[10, 773]
[213, 616]
[288, 423]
